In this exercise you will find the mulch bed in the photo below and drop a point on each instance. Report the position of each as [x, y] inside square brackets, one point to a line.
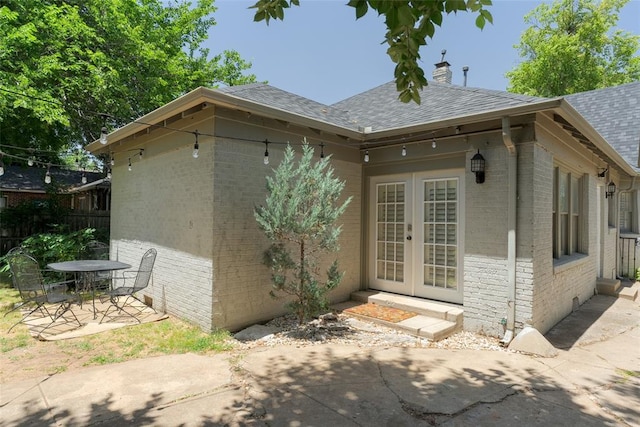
[376, 311]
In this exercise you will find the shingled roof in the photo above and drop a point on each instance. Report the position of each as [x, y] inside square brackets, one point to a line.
[277, 98]
[381, 109]
[621, 127]
[31, 179]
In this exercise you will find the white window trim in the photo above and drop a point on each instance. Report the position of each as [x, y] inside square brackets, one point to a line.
[561, 258]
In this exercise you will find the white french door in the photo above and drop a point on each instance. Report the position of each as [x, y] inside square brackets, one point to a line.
[416, 235]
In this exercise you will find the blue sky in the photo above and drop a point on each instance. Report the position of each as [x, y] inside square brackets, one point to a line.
[321, 52]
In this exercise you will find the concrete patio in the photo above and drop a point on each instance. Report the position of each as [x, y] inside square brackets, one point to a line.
[593, 381]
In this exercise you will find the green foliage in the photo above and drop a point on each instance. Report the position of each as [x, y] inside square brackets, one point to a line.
[75, 59]
[409, 24]
[302, 207]
[570, 47]
[54, 247]
[37, 213]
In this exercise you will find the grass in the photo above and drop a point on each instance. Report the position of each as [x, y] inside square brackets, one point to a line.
[170, 336]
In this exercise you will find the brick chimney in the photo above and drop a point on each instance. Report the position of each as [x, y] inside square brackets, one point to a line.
[442, 73]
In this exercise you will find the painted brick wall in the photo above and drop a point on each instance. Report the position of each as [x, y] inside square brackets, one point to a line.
[485, 264]
[611, 249]
[486, 275]
[166, 202]
[241, 282]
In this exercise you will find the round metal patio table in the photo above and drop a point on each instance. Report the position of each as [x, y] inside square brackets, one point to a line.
[88, 268]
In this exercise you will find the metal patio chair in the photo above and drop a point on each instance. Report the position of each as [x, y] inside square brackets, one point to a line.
[121, 296]
[99, 250]
[36, 294]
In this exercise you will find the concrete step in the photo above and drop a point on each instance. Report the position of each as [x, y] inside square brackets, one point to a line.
[629, 291]
[434, 320]
[608, 286]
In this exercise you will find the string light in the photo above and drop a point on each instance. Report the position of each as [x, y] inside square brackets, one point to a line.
[366, 156]
[108, 173]
[1, 165]
[433, 144]
[266, 152]
[129, 164]
[104, 131]
[113, 160]
[140, 154]
[84, 178]
[31, 160]
[196, 146]
[404, 151]
[47, 176]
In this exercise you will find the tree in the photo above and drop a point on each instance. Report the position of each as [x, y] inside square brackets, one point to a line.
[409, 23]
[299, 218]
[570, 48]
[65, 62]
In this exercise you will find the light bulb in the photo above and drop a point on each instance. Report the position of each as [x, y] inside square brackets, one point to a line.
[109, 174]
[103, 135]
[113, 160]
[196, 149]
[1, 169]
[404, 151]
[30, 161]
[84, 179]
[366, 156]
[129, 163]
[433, 144]
[47, 178]
[266, 157]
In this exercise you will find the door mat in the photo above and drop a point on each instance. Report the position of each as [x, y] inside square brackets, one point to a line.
[380, 312]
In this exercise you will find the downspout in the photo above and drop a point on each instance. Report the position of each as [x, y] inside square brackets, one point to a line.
[512, 196]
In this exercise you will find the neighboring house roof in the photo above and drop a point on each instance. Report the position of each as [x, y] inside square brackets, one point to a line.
[31, 179]
[622, 129]
[381, 108]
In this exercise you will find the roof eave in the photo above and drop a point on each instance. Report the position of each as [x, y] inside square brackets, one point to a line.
[221, 99]
[467, 118]
[587, 130]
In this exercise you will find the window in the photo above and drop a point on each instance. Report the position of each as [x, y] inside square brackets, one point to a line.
[567, 213]
[627, 204]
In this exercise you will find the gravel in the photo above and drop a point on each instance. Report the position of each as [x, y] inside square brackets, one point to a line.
[342, 329]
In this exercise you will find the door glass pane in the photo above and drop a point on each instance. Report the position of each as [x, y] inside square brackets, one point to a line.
[428, 275]
[390, 228]
[440, 279]
[452, 281]
[441, 233]
[380, 269]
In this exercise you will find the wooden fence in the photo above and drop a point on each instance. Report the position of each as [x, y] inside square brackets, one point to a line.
[10, 238]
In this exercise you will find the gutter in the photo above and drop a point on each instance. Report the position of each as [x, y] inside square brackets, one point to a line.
[512, 197]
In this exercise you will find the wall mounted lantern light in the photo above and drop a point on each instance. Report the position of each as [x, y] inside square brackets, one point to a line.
[477, 167]
[611, 189]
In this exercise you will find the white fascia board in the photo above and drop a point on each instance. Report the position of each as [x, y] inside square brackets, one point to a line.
[201, 95]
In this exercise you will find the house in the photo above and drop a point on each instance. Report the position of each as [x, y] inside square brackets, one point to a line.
[20, 184]
[87, 203]
[521, 242]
